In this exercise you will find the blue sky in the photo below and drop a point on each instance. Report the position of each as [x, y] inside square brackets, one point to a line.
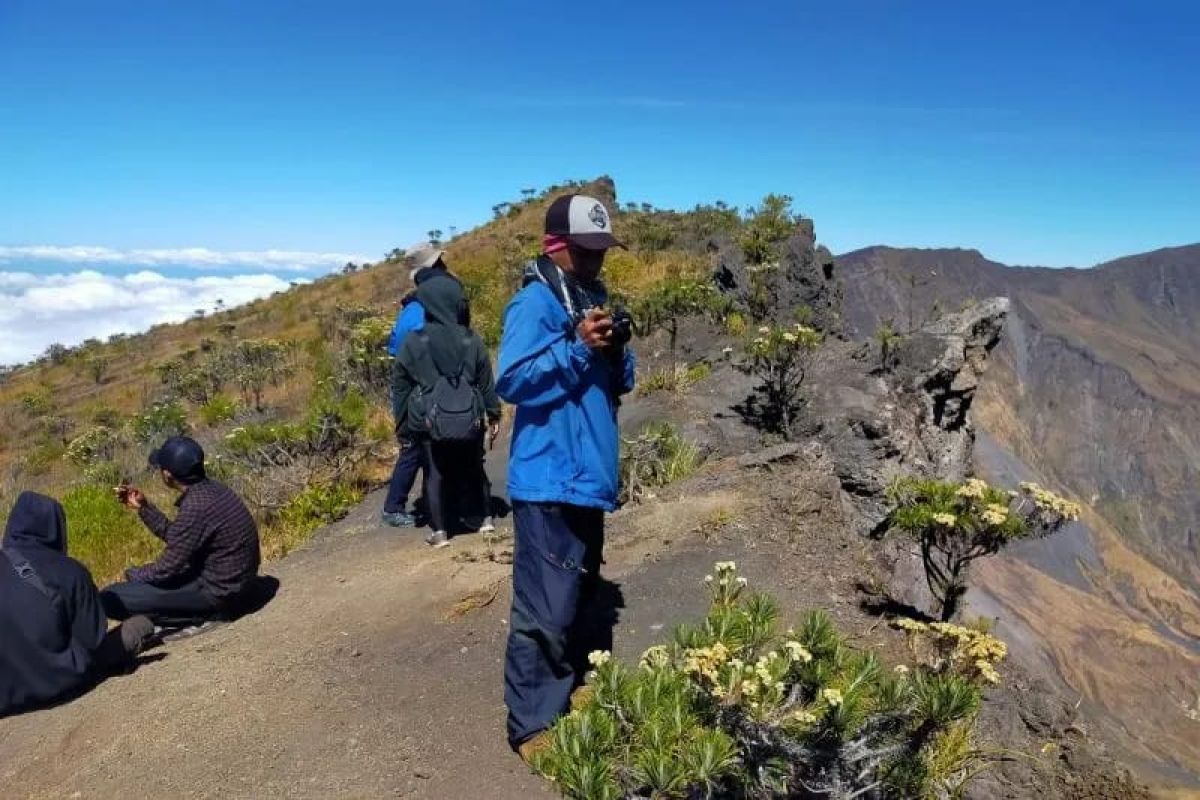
[1042, 133]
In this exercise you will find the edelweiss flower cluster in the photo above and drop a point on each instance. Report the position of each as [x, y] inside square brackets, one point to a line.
[973, 489]
[1048, 501]
[656, 657]
[994, 514]
[945, 519]
[598, 658]
[962, 649]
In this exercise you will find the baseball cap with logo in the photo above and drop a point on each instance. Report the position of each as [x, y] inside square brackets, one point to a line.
[422, 256]
[583, 221]
[181, 456]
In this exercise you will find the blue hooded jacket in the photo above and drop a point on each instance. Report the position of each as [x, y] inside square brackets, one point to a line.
[565, 445]
[410, 319]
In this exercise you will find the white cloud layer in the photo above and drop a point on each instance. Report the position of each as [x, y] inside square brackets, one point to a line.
[38, 310]
[199, 257]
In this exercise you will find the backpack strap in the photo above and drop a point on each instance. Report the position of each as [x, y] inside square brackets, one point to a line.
[27, 573]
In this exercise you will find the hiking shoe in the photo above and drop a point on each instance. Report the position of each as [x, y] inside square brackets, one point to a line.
[534, 746]
[487, 526]
[399, 519]
[437, 539]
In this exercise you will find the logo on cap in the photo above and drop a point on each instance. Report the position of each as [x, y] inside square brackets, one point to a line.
[598, 216]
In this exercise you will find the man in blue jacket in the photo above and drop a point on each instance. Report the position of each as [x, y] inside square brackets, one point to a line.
[425, 262]
[563, 364]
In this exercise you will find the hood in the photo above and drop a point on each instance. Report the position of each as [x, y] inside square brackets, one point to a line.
[37, 521]
[442, 298]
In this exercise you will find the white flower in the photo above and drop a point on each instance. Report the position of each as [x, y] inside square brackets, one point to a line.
[832, 696]
[797, 651]
[764, 329]
[725, 566]
[945, 519]
[708, 578]
[742, 581]
[598, 658]
[900, 669]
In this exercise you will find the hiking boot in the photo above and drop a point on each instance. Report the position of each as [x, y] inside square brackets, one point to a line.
[487, 526]
[399, 519]
[437, 539]
[534, 746]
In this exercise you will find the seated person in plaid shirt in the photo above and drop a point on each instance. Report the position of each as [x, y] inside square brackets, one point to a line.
[212, 552]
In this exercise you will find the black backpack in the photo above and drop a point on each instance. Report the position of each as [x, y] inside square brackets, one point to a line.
[449, 411]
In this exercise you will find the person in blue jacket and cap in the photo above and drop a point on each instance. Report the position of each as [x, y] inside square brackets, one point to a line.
[564, 364]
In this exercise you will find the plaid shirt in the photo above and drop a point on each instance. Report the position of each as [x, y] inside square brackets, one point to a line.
[213, 537]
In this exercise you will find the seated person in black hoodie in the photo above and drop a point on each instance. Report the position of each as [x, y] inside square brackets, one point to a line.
[53, 633]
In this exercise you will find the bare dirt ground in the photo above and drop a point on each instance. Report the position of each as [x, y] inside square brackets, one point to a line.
[376, 670]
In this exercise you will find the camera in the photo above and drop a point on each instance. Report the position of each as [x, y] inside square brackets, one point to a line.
[622, 326]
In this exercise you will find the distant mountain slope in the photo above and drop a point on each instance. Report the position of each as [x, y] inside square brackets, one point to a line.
[1103, 374]
[1096, 390]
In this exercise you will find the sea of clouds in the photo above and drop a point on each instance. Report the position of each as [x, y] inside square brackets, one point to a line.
[70, 294]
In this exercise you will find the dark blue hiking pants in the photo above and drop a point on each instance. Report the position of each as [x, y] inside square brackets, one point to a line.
[404, 475]
[556, 574]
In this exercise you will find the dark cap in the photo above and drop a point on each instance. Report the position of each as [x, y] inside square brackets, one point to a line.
[181, 456]
[583, 220]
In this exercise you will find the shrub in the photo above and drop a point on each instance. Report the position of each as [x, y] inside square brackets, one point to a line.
[258, 364]
[779, 358]
[319, 505]
[38, 402]
[731, 708]
[672, 301]
[103, 535]
[94, 444]
[956, 523]
[368, 360]
[888, 339]
[683, 377]
[220, 408]
[97, 367]
[160, 421]
[657, 457]
[766, 226]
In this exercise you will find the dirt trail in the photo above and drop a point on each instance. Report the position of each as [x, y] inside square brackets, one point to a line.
[357, 680]
[368, 676]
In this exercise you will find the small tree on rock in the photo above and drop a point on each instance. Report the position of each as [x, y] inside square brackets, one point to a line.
[672, 301]
[779, 357]
[956, 523]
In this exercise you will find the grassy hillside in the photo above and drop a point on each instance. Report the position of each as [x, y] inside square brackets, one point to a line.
[288, 394]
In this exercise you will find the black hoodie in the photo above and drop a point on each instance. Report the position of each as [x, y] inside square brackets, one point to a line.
[443, 347]
[46, 645]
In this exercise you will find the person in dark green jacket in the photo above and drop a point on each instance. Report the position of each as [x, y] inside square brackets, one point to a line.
[446, 348]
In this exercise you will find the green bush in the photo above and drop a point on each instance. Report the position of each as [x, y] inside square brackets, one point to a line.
[94, 444]
[732, 708]
[104, 535]
[683, 377]
[955, 523]
[766, 226]
[319, 505]
[220, 408]
[160, 421]
[658, 456]
[779, 358]
[672, 301]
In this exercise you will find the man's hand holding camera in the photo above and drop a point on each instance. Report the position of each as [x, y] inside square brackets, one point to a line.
[130, 496]
[604, 331]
